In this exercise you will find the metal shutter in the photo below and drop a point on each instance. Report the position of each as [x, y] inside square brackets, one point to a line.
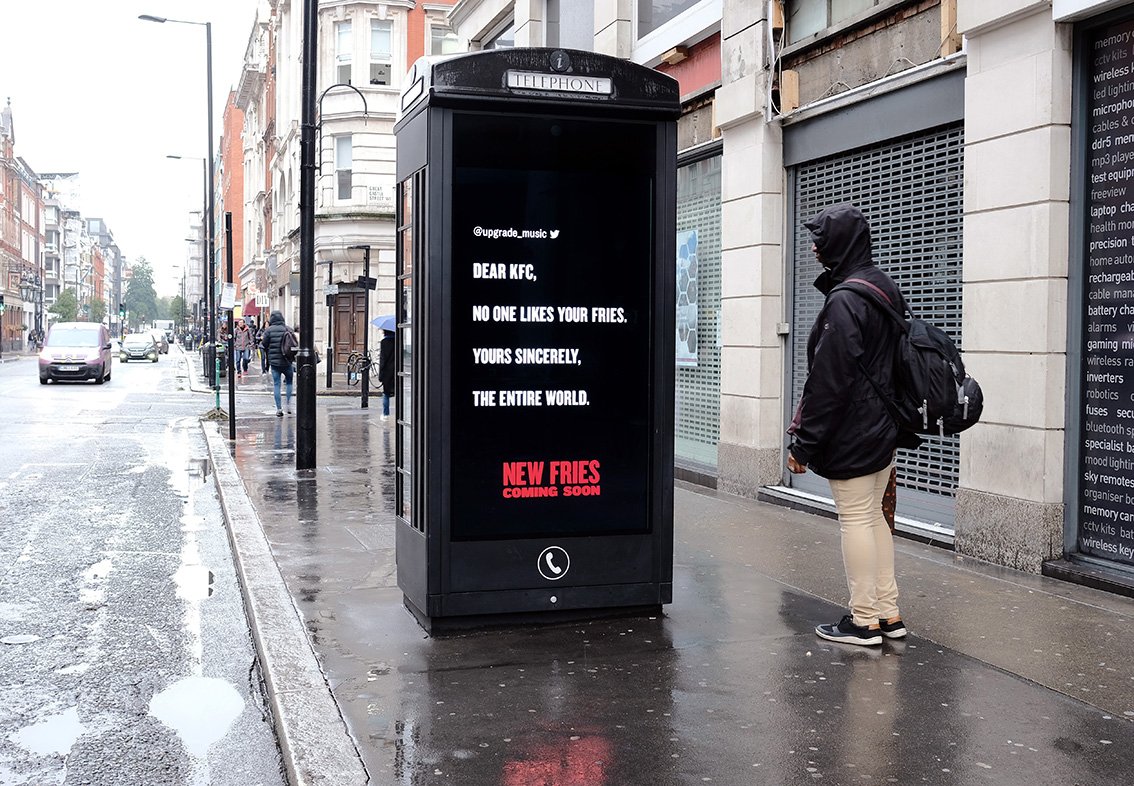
[698, 396]
[911, 191]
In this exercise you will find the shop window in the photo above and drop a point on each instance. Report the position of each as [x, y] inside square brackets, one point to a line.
[698, 345]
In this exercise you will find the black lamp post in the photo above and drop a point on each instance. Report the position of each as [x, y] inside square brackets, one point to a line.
[210, 282]
[305, 453]
[365, 325]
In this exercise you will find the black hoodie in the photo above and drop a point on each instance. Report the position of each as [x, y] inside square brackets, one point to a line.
[842, 428]
[273, 341]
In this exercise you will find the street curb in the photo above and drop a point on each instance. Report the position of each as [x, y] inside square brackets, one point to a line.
[315, 744]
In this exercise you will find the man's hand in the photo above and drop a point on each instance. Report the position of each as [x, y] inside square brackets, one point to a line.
[794, 466]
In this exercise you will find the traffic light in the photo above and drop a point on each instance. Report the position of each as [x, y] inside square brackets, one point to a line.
[1, 304]
[121, 310]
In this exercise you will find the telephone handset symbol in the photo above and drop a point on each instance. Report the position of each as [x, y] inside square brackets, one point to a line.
[549, 558]
[553, 563]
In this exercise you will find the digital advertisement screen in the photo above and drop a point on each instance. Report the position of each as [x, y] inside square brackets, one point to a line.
[552, 246]
[1106, 505]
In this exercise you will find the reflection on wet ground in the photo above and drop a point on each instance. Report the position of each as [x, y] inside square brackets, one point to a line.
[729, 685]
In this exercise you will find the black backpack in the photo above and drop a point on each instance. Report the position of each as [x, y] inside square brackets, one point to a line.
[933, 393]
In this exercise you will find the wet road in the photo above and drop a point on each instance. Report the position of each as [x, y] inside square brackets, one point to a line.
[125, 655]
[729, 685]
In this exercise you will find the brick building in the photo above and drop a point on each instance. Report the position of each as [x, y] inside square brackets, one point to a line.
[230, 187]
[21, 242]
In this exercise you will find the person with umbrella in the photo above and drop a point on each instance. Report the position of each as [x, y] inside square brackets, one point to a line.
[386, 365]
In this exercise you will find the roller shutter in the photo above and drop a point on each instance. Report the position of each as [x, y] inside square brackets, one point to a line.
[911, 190]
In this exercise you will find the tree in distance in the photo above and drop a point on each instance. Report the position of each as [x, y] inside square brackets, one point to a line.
[140, 297]
[66, 306]
[98, 310]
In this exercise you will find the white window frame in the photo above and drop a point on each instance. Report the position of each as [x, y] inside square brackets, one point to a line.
[440, 25]
[381, 58]
[497, 30]
[341, 170]
[691, 26]
[344, 58]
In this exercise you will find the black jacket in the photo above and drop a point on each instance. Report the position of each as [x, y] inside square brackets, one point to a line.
[386, 363]
[842, 427]
[272, 340]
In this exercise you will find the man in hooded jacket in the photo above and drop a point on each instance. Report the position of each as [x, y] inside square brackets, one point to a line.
[843, 429]
[278, 361]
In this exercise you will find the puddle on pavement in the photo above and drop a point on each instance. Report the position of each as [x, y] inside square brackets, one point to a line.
[199, 709]
[78, 668]
[92, 593]
[194, 582]
[19, 638]
[55, 735]
[200, 468]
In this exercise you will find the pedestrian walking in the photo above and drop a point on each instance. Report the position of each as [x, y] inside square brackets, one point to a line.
[277, 339]
[843, 429]
[386, 370]
[242, 348]
[260, 349]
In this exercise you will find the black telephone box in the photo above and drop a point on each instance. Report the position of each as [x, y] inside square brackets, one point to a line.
[536, 286]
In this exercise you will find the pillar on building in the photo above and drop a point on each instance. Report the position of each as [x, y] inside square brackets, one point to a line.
[529, 18]
[614, 33]
[750, 452]
[1017, 213]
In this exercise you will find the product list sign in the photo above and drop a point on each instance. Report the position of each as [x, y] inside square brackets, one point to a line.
[1106, 505]
[551, 328]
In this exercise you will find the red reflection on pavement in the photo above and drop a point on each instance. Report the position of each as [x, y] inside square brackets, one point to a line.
[580, 762]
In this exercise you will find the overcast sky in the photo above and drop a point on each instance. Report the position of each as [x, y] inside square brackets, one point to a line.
[97, 91]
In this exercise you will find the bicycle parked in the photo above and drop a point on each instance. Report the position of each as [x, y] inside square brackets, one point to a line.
[357, 362]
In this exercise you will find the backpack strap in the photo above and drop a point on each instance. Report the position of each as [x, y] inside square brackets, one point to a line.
[879, 298]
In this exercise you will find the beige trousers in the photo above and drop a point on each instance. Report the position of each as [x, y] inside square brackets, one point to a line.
[868, 547]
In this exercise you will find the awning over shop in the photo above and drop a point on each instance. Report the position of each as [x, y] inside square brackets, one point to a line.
[250, 309]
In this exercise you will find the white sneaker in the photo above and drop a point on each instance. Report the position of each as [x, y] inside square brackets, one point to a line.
[385, 418]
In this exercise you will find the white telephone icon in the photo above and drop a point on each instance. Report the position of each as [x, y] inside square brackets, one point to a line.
[551, 563]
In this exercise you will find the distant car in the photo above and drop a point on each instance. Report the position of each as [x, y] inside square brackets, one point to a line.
[160, 341]
[139, 346]
[76, 351]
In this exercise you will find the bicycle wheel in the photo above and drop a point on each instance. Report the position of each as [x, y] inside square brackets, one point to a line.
[352, 368]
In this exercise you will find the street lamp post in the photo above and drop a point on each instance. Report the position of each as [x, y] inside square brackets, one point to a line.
[365, 326]
[305, 449]
[210, 283]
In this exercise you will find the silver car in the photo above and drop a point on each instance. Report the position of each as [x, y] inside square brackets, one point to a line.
[139, 346]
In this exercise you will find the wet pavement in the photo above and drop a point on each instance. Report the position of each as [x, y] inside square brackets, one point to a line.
[1007, 678]
[125, 655]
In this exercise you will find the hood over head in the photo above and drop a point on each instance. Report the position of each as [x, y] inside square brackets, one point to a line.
[842, 236]
[276, 318]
